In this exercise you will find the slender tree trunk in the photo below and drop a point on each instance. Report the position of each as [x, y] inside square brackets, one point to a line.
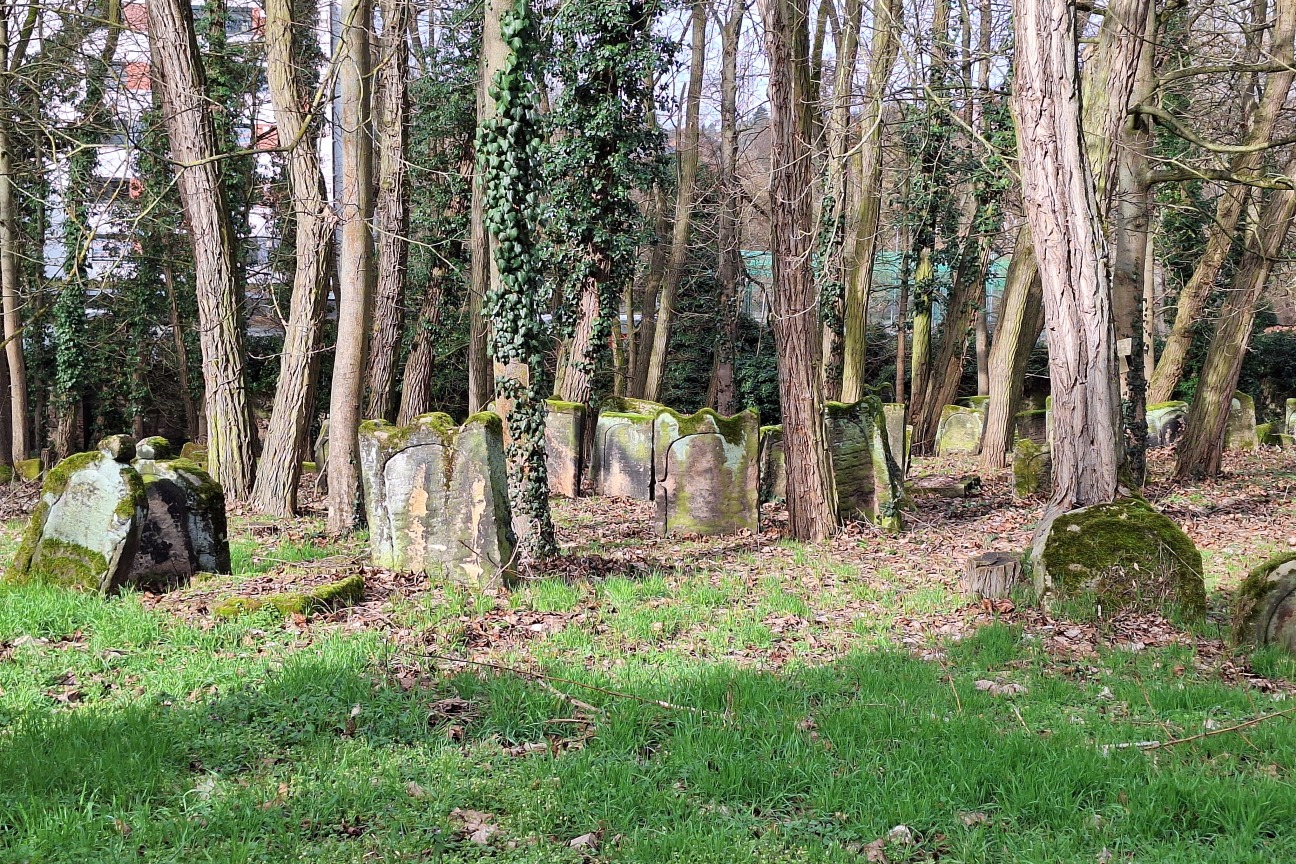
[391, 209]
[9, 293]
[887, 15]
[355, 266]
[723, 392]
[1202, 447]
[984, 36]
[688, 162]
[812, 507]
[416, 389]
[1228, 210]
[275, 491]
[1059, 198]
[920, 350]
[192, 422]
[646, 332]
[221, 332]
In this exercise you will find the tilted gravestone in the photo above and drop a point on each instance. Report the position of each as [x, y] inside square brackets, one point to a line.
[85, 528]
[623, 450]
[436, 496]
[959, 430]
[773, 467]
[899, 432]
[869, 481]
[1241, 434]
[1165, 421]
[564, 446]
[186, 530]
[706, 475]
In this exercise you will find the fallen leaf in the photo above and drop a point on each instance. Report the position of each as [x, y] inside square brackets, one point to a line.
[476, 825]
[415, 790]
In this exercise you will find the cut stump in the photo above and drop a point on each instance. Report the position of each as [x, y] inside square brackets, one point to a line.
[992, 575]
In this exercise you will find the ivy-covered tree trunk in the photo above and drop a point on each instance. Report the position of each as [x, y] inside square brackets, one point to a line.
[812, 505]
[275, 491]
[722, 393]
[391, 208]
[355, 266]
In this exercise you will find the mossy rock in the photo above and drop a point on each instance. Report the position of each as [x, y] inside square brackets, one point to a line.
[309, 468]
[1166, 422]
[1269, 435]
[326, 598]
[1264, 612]
[1119, 555]
[28, 469]
[6, 473]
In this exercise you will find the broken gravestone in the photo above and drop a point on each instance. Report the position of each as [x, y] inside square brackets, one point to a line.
[870, 483]
[959, 430]
[85, 528]
[564, 446]
[1032, 468]
[773, 468]
[436, 496]
[706, 474]
[185, 531]
[623, 450]
[1118, 555]
[899, 432]
[1241, 434]
[1165, 421]
[1264, 612]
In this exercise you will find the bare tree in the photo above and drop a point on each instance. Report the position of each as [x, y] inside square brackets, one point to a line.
[723, 395]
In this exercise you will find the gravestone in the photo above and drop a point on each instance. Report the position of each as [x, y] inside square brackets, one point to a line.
[623, 455]
[564, 444]
[1165, 421]
[706, 473]
[959, 430]
[977, 403]
[1032, 468]
[186, 530]
[29, 469]
[86, 526]
[1032, 425]
[773, 467]
[436, 496]
[870, 484]
[1265, 610]
[1241, 434]
[1289, 418]
[899, 432]
[320, 451]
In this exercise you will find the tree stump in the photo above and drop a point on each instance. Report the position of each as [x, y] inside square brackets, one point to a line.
[992, 575]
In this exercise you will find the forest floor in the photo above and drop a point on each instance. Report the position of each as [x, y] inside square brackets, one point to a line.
[651, 700]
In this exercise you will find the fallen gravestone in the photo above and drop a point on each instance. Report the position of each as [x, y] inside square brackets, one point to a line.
[705, 471]
[1165, 421]
[1241, 434]
[564, 443]
[623, 454]
[437, 498]
[185, 531]
[86, 526]
[959, 430]
[1264, 612]
[1032, 468]
[937, 486]
[869, 482]
[773, 468]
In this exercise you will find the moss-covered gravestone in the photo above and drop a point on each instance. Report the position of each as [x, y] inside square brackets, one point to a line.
[1032, 425]
[564, 442]
[1265, 610]
[706, 476]
[773, 467]
[86, 527]
[1241, 433]
[899, 432]
[623, 455]
[959, 430]
[1119, 555]
[870, 484]
[28, 469]
[1032, 468]
[977, 403]
[436, 496]
[186, 530]
[1289, 418]
[1165, 422]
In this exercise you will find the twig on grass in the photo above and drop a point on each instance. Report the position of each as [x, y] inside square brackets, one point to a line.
[1157, 745]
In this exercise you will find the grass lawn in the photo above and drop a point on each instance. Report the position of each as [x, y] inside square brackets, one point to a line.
[816, 699]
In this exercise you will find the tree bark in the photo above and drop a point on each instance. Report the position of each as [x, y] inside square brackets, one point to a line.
[811, 500]
[687, 147]
[1061, 207]
[723, 392]
[391, 209]
[10, 294]
[221, 332]
[355, 266]
[275, 491]
[416, 389]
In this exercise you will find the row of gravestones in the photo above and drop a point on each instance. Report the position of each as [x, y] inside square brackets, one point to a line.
[129, 514]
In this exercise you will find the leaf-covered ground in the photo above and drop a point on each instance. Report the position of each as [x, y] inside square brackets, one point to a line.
[725, 699]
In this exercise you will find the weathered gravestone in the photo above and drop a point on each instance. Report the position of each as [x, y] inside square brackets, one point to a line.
[899, 432]
[436, 496]
[564, 446]
[706, 473]
[86, 526]
[623, 453]
[185, 531]
[1032, 425]
[1241, 434]
[1032, 468]
[320, 451]
[959, 430]
[773, 467]
[1289, 418]
[977, 403]
[1165, 421]
[870, 483]
[1265, 610]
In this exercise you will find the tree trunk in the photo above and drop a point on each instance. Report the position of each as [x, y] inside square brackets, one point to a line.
[192, 422]
[646, 333]
[811, 500]
[9, 291]
[1058, 195]
[723, 392]
[355, 266]
[887, 16]
[687, 147]
[575, 368]
[221, 332]
[275, 491]
[1201, 449]
[1228, 210]
[391, 209]
[416, 383]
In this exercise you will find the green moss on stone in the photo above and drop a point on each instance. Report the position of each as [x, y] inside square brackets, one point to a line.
[732, 429]
[560, 405]
[17, 571]
[309, 468]
[1251, 596]
[66, 565]
[135, 499]
[1125, 555]
[1160, 406]
[56, 481]
[335, 595]
[1028, 467]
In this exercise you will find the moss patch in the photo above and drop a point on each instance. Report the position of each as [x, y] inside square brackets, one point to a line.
[56, 481]
[29, 469]
[335, 595]
[1251, 603]
[1124, 555]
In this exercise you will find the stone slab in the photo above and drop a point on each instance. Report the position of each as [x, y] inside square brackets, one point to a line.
[706, 472]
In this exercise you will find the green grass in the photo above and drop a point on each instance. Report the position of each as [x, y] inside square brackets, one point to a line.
[249, 557]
